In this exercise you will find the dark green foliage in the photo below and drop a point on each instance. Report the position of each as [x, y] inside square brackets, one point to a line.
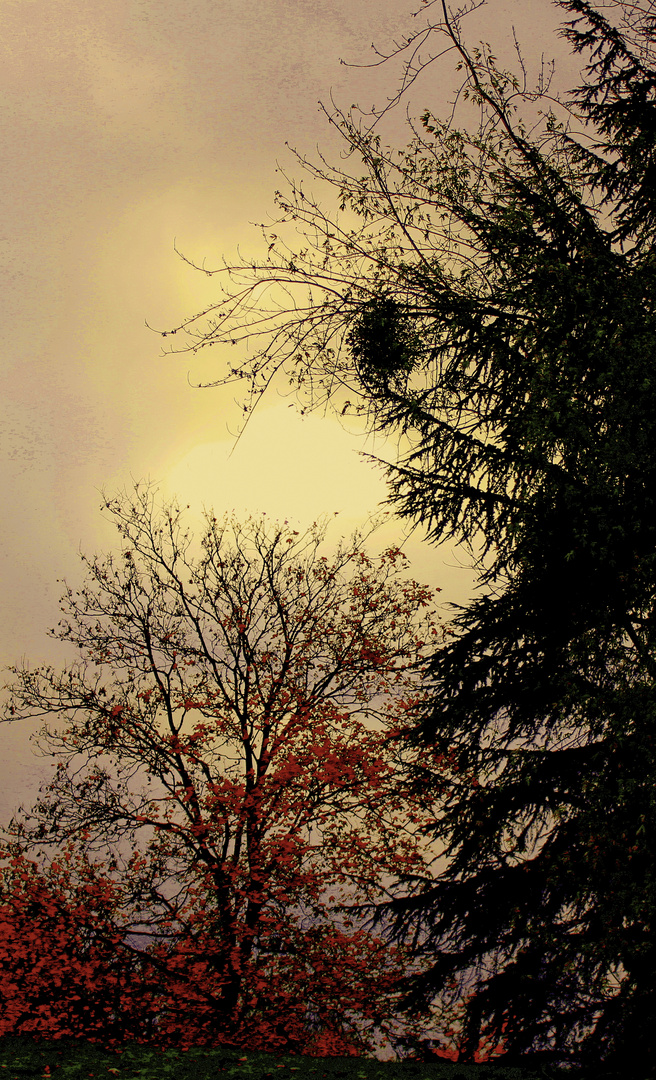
[384, 344]
[70, 1059]
[538, 433]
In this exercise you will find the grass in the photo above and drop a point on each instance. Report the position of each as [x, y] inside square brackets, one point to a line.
[23, 1058]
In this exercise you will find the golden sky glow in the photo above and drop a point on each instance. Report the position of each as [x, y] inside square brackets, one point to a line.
[128, 125]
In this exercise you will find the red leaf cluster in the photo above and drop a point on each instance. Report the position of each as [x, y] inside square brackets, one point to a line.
[259, 694]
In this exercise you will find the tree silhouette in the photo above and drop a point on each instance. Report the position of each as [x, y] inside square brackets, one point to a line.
[494, 305]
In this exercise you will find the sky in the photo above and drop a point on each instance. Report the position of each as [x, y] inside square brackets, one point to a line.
[127, 127]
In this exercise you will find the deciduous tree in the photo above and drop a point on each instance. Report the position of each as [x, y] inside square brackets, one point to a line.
[223, 773]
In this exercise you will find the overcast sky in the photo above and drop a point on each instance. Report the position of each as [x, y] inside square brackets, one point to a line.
[128, 124]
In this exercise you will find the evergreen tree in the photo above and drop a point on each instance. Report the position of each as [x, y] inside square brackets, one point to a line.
[494, 304]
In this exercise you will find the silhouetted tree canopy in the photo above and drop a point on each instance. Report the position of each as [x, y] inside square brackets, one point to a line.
[488, 293]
